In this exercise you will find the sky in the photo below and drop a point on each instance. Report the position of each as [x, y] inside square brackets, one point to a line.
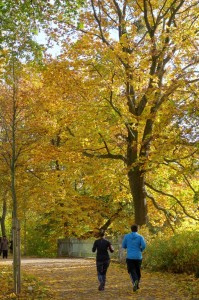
[41, 38]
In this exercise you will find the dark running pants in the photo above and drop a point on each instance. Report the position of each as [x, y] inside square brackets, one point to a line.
[5, 253]
[134, 268]
[102, 267]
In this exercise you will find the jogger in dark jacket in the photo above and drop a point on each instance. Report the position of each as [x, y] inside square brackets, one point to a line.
[102, 258]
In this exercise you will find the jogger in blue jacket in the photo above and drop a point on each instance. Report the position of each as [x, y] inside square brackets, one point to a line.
[135, 244]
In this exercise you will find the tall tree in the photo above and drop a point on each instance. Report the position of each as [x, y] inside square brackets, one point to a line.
[20, 21]
[141, 57]
[15, 139]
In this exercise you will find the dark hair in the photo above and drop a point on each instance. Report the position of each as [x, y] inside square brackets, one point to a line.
[101, 233]
[134, 228]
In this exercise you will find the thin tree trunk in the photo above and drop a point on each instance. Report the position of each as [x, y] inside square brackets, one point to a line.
[15, 229]
[3, 217]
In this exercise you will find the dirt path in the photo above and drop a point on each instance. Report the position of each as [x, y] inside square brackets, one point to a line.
[75, 279]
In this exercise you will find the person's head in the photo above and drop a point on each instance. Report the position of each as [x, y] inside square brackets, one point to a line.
[134, 228]
[101, 233]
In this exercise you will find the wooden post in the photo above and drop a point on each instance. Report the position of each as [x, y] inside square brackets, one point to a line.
[16, 256]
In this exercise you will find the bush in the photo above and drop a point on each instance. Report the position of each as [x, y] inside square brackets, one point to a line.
[178, 254]
[39, 243]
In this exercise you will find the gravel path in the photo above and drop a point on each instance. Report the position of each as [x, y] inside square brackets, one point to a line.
[75, 279]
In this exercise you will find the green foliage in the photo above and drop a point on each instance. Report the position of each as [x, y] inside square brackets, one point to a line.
[40, 244]
[176, 254]
[21, 22]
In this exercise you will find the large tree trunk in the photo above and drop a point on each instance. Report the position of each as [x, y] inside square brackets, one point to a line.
[136, 183]
[136, 177]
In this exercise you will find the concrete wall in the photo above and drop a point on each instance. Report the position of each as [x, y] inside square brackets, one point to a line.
[72, 247]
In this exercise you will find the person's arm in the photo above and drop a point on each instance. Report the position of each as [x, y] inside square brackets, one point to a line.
[94, 247]
[111, 249]
[143, 244]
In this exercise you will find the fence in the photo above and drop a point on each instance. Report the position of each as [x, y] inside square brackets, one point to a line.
[72, 247]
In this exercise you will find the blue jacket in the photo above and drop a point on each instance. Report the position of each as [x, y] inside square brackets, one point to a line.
[135, 244]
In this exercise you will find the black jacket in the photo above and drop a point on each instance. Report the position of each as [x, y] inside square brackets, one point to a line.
[102, 246]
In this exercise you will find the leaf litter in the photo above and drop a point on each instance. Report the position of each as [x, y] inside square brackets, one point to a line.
[76, 279]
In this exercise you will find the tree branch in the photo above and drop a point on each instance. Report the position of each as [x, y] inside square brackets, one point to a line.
[113, 217]
[175, 198]
[164, 210]
[104, 156]
[99, 23]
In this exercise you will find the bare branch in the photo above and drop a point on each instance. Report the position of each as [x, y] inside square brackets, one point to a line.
[189, 184]
[104, 156]
[113, 217]
[158, 207]
[175, 198]
[182, 158]
[98, 20]
[33, 173]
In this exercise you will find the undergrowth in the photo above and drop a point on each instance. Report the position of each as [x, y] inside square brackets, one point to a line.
[31, 287]
[177, 254]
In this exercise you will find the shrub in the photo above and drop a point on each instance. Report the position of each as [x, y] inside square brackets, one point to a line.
[39, 243]
[178, 254]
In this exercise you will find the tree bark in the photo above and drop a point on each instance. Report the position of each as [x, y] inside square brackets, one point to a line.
[136, 174]
[3, 217]
[137, 186]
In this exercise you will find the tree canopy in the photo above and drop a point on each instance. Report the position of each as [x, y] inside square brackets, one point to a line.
[107, 132]
[140, 59]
